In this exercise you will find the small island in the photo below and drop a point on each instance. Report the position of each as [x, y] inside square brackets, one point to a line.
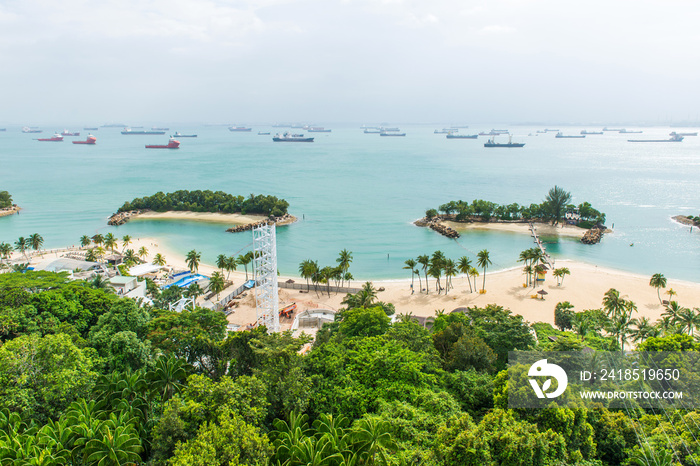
[555, 215]
[7, 207]
[209, 206]
[692, 220]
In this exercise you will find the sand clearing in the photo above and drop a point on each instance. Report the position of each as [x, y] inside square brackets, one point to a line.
[229, 219]
[543, 229]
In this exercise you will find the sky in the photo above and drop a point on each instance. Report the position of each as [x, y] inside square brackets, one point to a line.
[245, 62]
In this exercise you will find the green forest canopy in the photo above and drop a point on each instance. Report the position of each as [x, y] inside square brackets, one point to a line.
[209, 201]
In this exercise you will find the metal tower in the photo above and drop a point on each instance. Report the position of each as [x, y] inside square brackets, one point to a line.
[265, 272]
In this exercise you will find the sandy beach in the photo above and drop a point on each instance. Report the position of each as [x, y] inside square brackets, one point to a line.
[543, 229]
[584, 288]
[229, 219]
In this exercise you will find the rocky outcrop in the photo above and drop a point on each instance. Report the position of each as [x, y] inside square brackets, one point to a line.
[120, 218]
[285, 219]
[685, 220]
[436, 224]
[592, 236]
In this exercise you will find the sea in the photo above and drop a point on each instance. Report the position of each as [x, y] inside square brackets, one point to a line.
[361, 192]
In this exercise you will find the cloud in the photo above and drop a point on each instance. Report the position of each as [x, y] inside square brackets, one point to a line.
[496, 29]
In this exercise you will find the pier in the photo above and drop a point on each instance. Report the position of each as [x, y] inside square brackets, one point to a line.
[547, 258]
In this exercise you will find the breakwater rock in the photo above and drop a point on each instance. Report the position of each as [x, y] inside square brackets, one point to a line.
[121, 218]
[285, 219]
[592, 236]
[436, 224]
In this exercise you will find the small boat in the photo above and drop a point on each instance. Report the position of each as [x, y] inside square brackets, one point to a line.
[391, 133]
[492, 143]
[461, 136]
[675, 138]
[591, 132]
[140, 132]
[90, 140]
[263, 133]
[239, 128]
[178, 135]
[27, 129]
[318, 129]
[567, 136]
[625, 131]
[55, 138]
[172, 144]
[65, 132]
[670, 134]
[288, 137]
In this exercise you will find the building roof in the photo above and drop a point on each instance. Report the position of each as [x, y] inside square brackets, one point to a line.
[143, 269]
[65, 263]
[120, 280]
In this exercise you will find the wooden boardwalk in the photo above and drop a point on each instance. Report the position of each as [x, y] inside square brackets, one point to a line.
[547, 258]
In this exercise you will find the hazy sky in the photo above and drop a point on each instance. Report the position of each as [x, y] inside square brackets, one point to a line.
[91, 62]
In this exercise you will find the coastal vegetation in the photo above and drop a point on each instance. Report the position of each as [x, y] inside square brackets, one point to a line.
[208, 201]
[311, 272]
[553, 208]
[5, 200]
[90, 378]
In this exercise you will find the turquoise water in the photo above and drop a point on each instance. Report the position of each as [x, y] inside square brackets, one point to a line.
[361, 192]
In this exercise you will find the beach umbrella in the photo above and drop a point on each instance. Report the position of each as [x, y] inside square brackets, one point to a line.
[290, 281]
[542, 293]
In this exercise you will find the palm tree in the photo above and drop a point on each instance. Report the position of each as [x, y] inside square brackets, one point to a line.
[435, 271]
[98, 239]
[613, 304]
[557, 199]
[644, 330]
[193, 291]
[483, 261]
[90, 255]
[372, 438]
[560, 273]
[450, 271]
[158, 259]
[85, 241]
[5, 250]
[126, 240]
[99, 251]
[326, 275]
[244, 260]
[35, 241]
[464, 265]
[110, 241]
[344, 259]
[674, 311]
[143, 252]
[100, 283]
[658, 281]
[21, 245]
[424, 260]
[671, 293]
[217, 283]
[169, 376]
[689, 319]
[473, 272]
[129, 257]
[582, 324]
[192, 259]
[411, 264]
[230, 265]
[528, 270]
[221, 261]
[121, 445]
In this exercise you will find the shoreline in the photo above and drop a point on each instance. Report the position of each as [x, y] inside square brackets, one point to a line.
[211, 217]
[683, 220]
[543, 229]
[584, 288]
[10, 211]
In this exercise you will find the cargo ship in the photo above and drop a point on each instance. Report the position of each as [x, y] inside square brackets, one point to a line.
[676, 138]
[90, 140]
[160, 129]
[65, 132]
[91, 129]
[670, 134]
[617, 130]
[492, 143]
[172, 144]
[140, 132]
[239, 128]
[624, 131]
[461, 136]
[566, 136]
[55, 138]
[178, 135]
[27, 129]
[591, 132]
[289, 137]
[392, 133]
[372, 131]
[318, 129]
[263, 133]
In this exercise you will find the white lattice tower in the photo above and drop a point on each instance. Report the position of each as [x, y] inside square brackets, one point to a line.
[265, 272]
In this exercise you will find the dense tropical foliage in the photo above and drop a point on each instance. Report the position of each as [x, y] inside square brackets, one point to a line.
[209, 201]
[556, 203]
[5, 200]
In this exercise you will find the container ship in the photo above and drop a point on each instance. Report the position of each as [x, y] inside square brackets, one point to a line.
[140, 132]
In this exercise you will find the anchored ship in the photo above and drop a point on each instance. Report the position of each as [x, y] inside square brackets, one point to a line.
[90, 140]
[289, 137]
[172, 144]
[141, 132]
[492, 143]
